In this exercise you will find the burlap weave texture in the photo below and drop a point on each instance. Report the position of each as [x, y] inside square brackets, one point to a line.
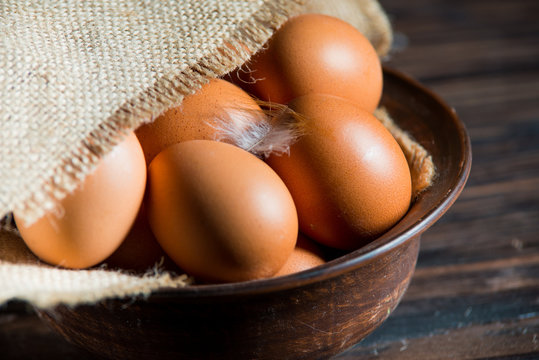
[75, 76]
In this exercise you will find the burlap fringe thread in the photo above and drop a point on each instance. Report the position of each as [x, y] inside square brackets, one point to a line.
[167, 92]
[24, 277]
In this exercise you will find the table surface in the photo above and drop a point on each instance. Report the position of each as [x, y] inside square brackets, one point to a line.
[475, 293]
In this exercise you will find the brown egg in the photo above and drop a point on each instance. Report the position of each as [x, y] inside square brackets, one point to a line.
[306, 255]
[97, 216]
[217, 104]
[315, 53]
[219, 212]
[140, 251]
[348, 176]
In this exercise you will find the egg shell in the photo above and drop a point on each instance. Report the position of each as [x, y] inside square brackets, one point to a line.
[96, 217]
[219, 212]
[314, 53]
[348, 176]
[306, 255]
[200, 116]
[140, 251]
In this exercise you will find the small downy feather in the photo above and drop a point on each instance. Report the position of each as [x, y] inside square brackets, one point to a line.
[279, 128]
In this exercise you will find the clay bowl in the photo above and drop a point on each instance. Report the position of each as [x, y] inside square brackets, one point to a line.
[308, 315]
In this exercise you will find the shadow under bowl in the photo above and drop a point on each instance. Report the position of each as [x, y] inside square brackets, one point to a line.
[308, 315]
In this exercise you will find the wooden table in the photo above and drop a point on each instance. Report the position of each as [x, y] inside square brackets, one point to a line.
[475, 293]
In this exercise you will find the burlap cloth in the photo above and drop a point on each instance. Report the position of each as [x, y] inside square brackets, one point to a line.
[75, 76]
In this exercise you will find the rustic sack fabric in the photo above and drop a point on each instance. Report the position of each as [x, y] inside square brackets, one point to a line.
[75, 76]
[24, 277]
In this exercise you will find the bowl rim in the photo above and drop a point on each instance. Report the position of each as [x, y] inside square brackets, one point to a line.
[356, 258]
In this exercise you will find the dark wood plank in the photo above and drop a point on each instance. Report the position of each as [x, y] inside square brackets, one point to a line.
[475, 292]
[459, 38]
[466, 342]
[23, 336]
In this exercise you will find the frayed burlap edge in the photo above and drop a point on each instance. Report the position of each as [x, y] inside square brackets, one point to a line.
[25, 278]
[168, 91]
[93, 285]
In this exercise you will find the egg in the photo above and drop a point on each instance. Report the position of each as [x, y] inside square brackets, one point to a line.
[347, 175]
[140, 251]
[97, 216]
[219, 212]
[306, 255]
[205, 115]
[314, 53]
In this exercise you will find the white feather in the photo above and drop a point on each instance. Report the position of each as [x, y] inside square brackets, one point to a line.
[273, 133]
